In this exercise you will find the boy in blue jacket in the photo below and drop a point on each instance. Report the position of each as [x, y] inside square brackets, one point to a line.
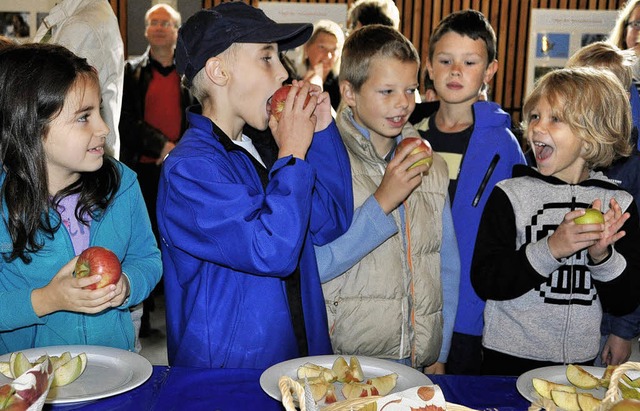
[474, 138]
[241, 284]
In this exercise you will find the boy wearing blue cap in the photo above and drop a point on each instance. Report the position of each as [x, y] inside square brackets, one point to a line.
[241, 283]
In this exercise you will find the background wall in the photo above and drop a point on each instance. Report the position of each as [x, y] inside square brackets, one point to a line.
[509, 18]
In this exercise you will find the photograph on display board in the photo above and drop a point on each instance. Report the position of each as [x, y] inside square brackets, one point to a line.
[15, 24]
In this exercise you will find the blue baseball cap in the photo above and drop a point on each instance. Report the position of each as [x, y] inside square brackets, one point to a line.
[210, 32]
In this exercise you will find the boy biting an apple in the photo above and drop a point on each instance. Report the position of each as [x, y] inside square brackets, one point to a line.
[391, 281]
[241, 283]
[545, 277]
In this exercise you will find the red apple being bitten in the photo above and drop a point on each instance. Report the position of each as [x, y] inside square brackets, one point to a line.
[424, 146]
[99, 260]
[278, 99]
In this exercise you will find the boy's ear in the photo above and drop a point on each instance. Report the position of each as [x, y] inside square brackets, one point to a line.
[348, 93]
[216, 71]
[490, 71]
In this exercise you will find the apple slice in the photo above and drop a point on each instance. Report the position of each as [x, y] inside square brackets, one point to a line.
[5, 369]
[384, 384]
[64, 358]
[311, 370]
[588, 402]
[318, 388]
[330, 397]
[568, 401]
[628, 392]
[544, 387]
[70, 371]
[581, 378]
[352, 390]
[606, 377]
[356, 369]
[19, 364]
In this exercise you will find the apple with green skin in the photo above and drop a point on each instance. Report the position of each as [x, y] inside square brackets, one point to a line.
[591, 216]
[424, 146]
[102, 261]
[277, 101]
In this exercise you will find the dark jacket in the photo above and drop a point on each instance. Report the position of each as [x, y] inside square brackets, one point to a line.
[138, 137]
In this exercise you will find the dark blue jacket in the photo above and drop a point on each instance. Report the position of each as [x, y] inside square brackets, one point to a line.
[491, 142]
[228, 243]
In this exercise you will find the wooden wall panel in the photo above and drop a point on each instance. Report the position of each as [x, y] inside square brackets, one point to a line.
[509, 18]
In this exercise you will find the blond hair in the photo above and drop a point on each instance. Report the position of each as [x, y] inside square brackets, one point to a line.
[608, 56]
[595, 106]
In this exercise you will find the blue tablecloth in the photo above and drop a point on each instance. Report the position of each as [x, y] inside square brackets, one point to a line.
[193, 389]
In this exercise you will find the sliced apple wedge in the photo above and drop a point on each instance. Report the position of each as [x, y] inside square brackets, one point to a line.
[352, 390]
[588, 402]
[311, 370]
[19, 364]
[606, 377]
[331, 397]
[70, 371]
[568, 401]
[340, 368]
[318, 388]
[384, 384]
[581, 378]
[356, 369]
[544, 387]
[5, 369]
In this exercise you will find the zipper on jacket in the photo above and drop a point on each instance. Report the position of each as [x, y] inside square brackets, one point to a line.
[412, 312]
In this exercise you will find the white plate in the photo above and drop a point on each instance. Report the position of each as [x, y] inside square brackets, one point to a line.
[109, 371]
[558, 374]
[371, 367]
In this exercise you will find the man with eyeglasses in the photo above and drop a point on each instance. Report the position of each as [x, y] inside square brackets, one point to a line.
[89, 28]
[153, 113]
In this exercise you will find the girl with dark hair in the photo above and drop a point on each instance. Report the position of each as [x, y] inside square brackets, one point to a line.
[60, 194]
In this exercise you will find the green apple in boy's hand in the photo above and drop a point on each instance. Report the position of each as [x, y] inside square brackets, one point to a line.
[424, 146]
[278, 99]
[591, 216]
[99, 260]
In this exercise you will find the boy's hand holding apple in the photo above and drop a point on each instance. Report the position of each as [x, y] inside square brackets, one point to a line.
[403, 173]
[294, 125]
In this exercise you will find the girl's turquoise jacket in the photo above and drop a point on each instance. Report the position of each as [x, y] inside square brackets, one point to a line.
[123, 228]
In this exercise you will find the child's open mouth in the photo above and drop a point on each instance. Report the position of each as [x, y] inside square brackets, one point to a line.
[542, 151]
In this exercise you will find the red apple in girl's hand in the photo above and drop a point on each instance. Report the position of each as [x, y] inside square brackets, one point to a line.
[99, 260]
[278, 99]
[424, 146]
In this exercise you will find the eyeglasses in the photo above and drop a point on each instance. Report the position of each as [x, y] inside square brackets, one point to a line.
[162, 23]
[634, 24]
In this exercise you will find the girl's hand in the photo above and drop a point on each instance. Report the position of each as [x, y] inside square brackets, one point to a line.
[398, 181]
[294, 132]
[65, 292]
[614, 219]
[122, 291]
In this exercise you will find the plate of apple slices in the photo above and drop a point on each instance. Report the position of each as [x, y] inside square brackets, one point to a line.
[334, 378]
[105, 371]
[571, 387]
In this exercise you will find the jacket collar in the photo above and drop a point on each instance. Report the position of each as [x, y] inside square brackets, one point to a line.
[63, 10]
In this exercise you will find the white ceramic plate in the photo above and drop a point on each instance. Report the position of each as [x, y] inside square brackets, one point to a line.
[557, 374]
[109, 371]
[371, 367]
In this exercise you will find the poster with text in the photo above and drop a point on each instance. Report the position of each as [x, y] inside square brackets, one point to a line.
[556, 34]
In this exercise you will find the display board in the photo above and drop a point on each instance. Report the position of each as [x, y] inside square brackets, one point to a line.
[555, 35]
[305, 12]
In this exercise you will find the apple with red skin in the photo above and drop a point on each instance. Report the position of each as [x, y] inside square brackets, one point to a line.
[102, 261]
[278, 99]
[424, 146]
